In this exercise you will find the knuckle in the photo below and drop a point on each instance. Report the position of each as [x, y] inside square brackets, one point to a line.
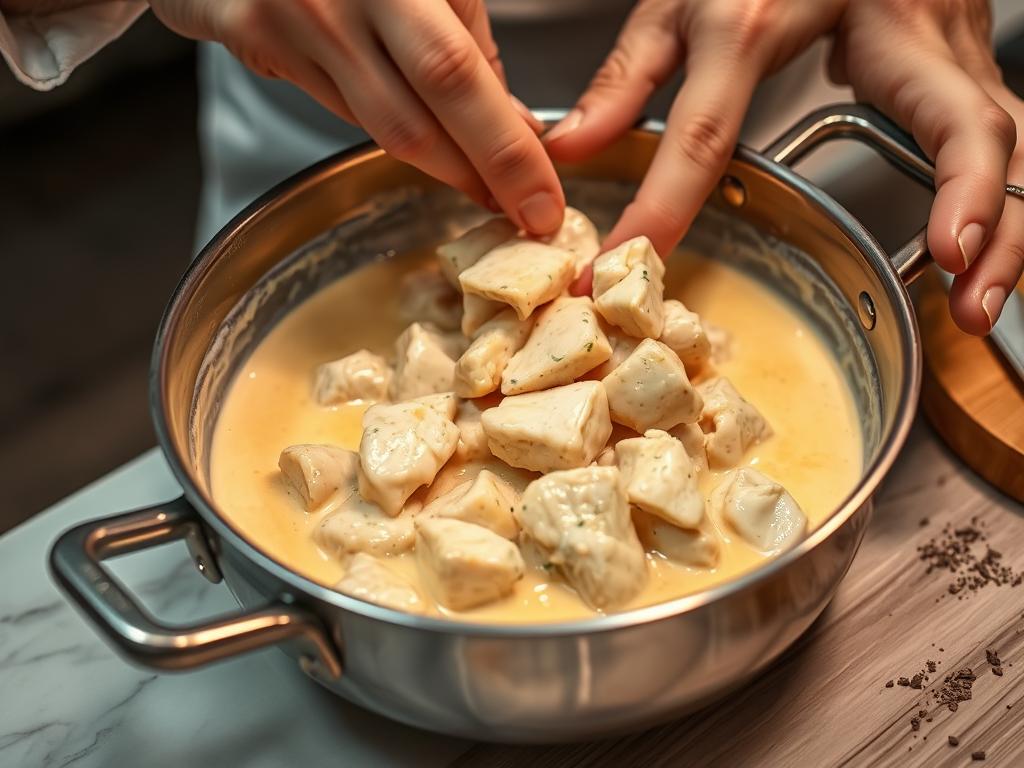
[404, 139]
[998, 123]
[448, 66]
[508, 157]
[613, 72]
[704, 141]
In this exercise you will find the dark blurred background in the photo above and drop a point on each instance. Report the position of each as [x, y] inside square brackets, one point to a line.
[99, 183]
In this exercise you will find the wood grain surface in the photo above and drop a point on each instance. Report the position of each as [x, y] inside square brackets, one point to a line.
[972, 397]
[825, 702]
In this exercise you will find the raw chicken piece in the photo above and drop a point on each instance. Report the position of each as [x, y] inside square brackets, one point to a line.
[488, 501]
[696, 547]
[578, 235]
[622, 347]
[478, 371]
[466, 565]
[721, 342]
[426, 296]
[465, 251]
[660, 478]
[359, 376]
[580, 520]
[759, 509]
[628, 288]
[684, 334]
[558, 428]
[521, 273]
[360, 526]
[476, 310]
[403, 447]
[422, 364]
[472, 444]
[606, 458]
[367, 578]
[317, 472]
[651, 390]
[565, 343]
[731, 424]
[692, 438]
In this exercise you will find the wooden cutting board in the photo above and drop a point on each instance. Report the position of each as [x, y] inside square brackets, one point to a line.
[971, 396]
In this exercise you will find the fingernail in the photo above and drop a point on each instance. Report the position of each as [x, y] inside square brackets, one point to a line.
[992, 302]
[970, 240]
[566, 125]
[541, 213]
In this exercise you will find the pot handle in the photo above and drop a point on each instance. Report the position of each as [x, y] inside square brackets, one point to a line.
[868, 126]
[76, 561]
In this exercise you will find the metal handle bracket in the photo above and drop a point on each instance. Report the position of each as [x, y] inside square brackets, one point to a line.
[76, 562]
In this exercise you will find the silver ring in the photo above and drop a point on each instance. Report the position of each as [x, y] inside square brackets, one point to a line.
[1016, 191]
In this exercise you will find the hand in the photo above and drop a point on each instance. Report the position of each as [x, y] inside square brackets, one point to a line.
[726, 47]
[929, 65]
[422, 77]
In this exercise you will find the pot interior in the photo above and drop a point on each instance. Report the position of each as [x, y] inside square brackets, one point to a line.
[300, 238]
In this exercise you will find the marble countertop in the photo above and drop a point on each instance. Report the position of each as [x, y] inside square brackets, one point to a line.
[66, 699]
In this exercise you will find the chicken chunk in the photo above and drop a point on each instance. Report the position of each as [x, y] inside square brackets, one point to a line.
[628, 288]
[565, 343]
[426, 296]
[692, 438]
[759, 509]
[359, 525]
[359, 376]
[367, 578]
[558, 428]
[422, 364]
[695, 547]
[622, 347]
[578, 235]
[731, 424]
[317, 472]
[651, 390]
[487, 500]
[466, 565]
[403, 447]
[520, 273]
[660, 478]
[580, 520]
[721, 342]
[478, 371]
[476, 310]
[472, 445]
[465, 251]
[685, 335]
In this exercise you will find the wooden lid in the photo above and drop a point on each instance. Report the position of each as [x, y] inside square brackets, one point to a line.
[971, 396]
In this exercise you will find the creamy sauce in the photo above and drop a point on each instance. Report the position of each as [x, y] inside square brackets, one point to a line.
[777, 362]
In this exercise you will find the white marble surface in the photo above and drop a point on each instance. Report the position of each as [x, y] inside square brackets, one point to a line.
[67, 699]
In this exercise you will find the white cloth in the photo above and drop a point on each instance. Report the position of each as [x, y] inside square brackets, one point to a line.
[43, 51]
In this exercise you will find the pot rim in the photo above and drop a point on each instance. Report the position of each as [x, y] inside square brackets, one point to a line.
[906, 406]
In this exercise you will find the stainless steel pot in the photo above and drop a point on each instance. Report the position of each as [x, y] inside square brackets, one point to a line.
[570, 680]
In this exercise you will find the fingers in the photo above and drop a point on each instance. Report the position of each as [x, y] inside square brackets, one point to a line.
[977, 297]
[473, 14]
[442, 63]
[385, 106]
[700, 135]
[646, 53]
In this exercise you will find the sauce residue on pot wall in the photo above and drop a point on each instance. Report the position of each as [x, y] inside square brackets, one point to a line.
[777, 361]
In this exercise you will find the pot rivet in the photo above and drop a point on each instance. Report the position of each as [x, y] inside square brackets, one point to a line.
[201, 564]
[308, 665]
[733, 191]
[866, 309]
